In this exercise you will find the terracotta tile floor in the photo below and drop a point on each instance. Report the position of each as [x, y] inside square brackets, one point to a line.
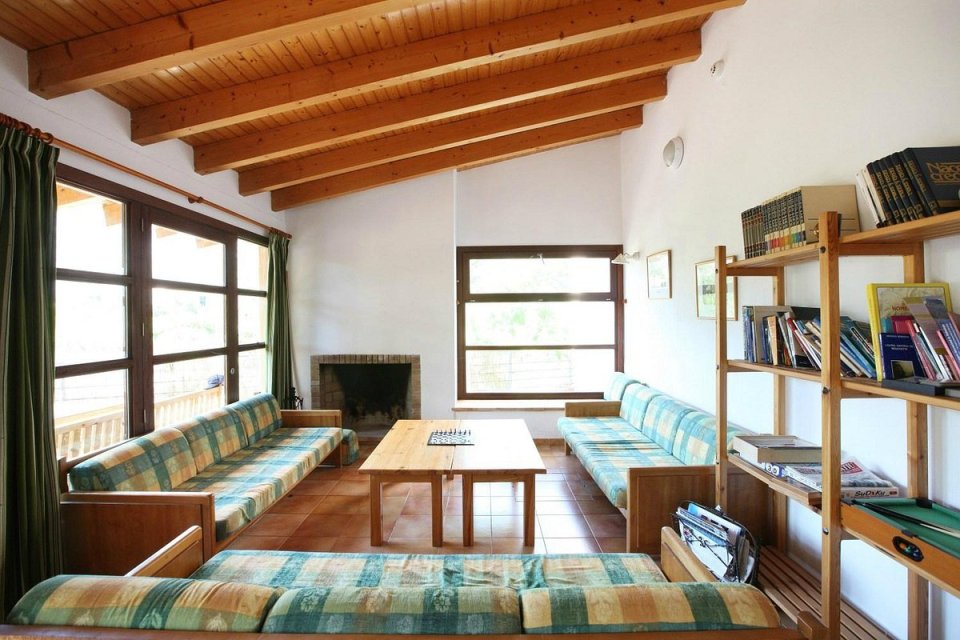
[329, 511]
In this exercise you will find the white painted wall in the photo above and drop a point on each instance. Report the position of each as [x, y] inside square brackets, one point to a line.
[92, 122]
[812, 90]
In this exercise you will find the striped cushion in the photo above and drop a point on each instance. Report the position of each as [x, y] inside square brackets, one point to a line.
[696, 440]
[618, 383]
[351, 446]
[600, 429]
[297, 569]
[634, 403]
[213, 436]
[680, 606]
[396, 610]
[319, 441]
[608, 464]
[259, 415]
[158, 461]
[145, 603]
[661, 419]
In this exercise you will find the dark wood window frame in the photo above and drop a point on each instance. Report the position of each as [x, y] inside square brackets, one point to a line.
[141, 212]
[464, 296]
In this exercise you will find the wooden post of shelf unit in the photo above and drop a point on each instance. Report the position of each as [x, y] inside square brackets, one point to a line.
[720, 298]
[780, 422]
[829, 253]
[917, 473]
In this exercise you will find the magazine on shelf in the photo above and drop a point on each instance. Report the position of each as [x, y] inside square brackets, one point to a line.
[855, 480]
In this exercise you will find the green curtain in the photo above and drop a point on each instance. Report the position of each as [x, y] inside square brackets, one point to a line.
[279, 358]
[29, 497]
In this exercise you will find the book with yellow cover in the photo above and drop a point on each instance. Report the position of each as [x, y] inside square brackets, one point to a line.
[886, 300]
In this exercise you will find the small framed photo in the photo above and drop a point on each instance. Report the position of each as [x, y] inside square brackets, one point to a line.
[658, 276]
[707, 289]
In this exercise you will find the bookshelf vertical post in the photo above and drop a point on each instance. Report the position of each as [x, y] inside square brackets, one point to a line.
[828, 249]
[779, 513]
[720, 298]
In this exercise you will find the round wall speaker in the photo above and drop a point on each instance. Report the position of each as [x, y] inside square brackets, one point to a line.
[673, 152]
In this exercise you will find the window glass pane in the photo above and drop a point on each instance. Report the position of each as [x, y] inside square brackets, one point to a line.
[539, 371]
[253, 372]
[252, 322]
[91, 323]
[90, 412]
[251, 265]
[186, 258]
[182, 390]
[539, 323]
[187, 321]
[536, 275]
[90, 232]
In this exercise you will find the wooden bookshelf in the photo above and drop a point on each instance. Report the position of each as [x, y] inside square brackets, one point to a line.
[907, 241]
[806, 496]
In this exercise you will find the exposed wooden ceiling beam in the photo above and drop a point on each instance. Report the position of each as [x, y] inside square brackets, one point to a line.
[407, 63]
[186, 36]
[465, 156]
[451, 134]
[310, 135]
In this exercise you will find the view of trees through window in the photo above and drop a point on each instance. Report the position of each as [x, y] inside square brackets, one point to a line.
[537, 322]
[145, 343]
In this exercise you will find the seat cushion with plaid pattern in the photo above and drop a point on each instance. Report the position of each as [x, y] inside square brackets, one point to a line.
[158, 461]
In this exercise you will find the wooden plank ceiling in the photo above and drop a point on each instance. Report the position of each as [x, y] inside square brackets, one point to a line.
[310, 100]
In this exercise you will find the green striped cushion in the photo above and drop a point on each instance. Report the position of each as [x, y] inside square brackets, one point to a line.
[213, 436]
[662, 418]
[318, 441]
[259, 415]
[618, 383]
[159, 461]
[145, 603]
[599, 429]
[396, 611]
[679, 606]
[608, 464]
[298, 569]
[696, 440]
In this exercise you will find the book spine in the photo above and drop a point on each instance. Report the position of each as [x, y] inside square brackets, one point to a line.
[886, 172]
[867, 195]
[924, 195]
[948, 355]
[913, 208]
[883, 193]
[940, 168]
[925, 356]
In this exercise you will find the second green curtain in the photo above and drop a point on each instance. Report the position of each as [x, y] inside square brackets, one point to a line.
[279, 357]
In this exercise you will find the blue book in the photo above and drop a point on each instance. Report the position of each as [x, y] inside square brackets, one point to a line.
[899, 356]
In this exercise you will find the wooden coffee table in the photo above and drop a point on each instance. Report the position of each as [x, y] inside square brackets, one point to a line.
[503, 451]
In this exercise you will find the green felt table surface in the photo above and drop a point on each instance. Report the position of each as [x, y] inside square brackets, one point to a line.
[937, 514]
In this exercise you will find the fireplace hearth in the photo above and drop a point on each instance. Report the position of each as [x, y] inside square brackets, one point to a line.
[372, 390]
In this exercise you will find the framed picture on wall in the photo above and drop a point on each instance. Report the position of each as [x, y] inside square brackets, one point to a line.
[707, 287]
[658, 276]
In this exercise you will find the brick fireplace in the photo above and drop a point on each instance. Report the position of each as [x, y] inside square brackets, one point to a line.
[372, 390]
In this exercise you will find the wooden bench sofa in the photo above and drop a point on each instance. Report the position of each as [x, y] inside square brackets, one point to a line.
[648, 452]
[319, 595]
[219, 471]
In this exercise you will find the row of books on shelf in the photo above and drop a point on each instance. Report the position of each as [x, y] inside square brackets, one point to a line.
[911, 184]
[797, 461]
[790, 219]
[790, 336]
[916, 336]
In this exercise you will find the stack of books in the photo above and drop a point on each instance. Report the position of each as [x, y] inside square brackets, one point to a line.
[790, 219]
[912, 184]
[790, 337]
[915, 332]
[798, 461]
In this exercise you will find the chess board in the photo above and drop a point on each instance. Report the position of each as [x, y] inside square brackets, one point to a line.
[450, 437]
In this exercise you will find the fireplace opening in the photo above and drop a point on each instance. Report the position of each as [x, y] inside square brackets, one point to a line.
[372, 391]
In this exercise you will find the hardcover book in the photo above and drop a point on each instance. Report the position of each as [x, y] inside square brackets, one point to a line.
[770, 448]
[898, 356]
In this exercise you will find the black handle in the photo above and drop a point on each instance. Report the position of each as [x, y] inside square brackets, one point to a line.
[907, 548]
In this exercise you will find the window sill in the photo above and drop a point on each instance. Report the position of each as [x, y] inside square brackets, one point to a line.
[509, 405]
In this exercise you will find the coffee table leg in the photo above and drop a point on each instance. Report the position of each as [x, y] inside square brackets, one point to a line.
[376, 521]
[436, 495]
[467, 510]
[529, 505]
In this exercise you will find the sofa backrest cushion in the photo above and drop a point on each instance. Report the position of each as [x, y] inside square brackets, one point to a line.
[145, 603]
[259, 415]
[633, 404]
[396, 610]
[213, 436]
[157, 461]
[678, 606]
[662, 419]
[618, 383]
[696, 438]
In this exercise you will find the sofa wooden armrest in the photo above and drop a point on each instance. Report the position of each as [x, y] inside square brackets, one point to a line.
[179, 558]
[311, 417]
[126, 527]
[591, 408]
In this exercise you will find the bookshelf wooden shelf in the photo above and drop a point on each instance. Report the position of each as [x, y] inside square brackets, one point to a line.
[793, 490]
[907, 241]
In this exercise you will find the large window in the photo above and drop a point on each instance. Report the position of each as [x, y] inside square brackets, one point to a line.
[538, 322]
[161, 314]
